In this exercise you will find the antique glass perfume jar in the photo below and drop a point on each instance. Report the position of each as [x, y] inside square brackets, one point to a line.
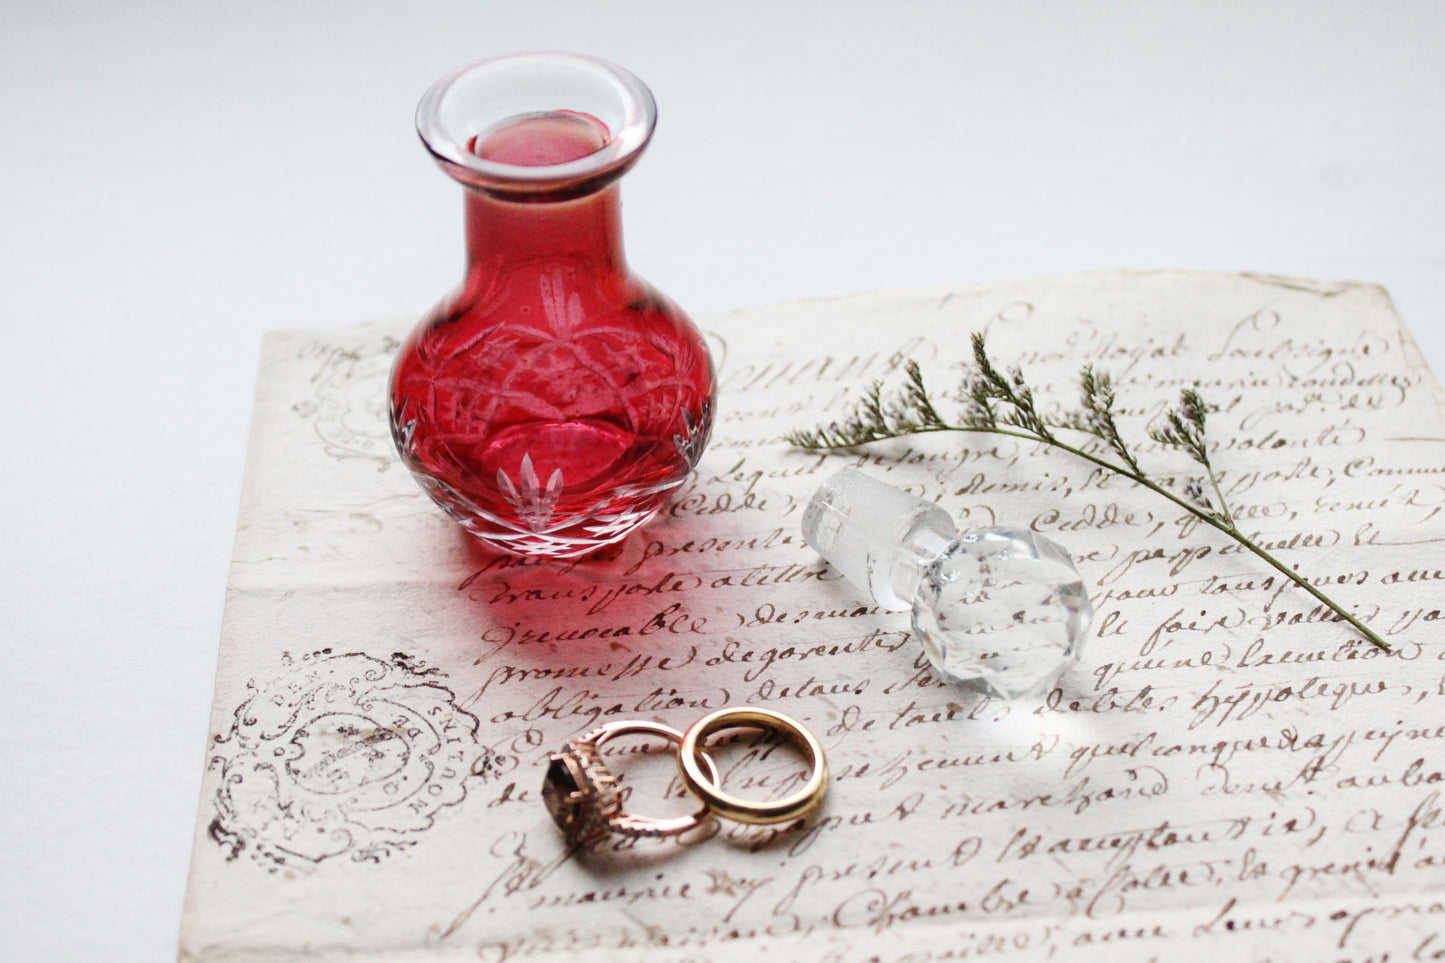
[552, 402]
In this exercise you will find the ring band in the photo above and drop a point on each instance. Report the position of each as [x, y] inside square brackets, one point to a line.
[700, 775]
[584, 799]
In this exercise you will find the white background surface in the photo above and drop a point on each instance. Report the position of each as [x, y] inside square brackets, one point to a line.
[177, 177]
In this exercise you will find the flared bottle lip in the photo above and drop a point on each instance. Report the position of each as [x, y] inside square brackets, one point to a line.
[479, 97]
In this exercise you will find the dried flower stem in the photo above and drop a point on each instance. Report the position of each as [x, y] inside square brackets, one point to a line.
[1002, 404]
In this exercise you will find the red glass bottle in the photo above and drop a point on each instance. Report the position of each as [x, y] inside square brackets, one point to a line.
[555, 399]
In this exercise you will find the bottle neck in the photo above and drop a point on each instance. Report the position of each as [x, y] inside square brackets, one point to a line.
[585, 230]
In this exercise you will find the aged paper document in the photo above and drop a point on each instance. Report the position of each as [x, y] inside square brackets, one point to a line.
[1228, 772]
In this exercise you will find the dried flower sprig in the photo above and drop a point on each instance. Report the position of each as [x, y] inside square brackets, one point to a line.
[1002, 403]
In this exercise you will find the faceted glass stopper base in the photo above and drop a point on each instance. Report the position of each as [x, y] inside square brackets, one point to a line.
[1002, 610]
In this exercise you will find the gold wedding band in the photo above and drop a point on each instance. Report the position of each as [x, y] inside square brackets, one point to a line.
[700, 775]
[584, 799]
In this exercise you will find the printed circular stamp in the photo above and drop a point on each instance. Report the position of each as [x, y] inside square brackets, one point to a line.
[343, 755]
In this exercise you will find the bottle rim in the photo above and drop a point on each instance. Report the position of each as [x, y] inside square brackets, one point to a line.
[477, 98]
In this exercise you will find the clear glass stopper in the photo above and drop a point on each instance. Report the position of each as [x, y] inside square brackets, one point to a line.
[999, 609]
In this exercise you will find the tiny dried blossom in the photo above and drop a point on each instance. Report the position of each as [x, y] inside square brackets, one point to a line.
[1191, 407]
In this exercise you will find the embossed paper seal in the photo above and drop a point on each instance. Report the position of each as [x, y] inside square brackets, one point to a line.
[343, 755]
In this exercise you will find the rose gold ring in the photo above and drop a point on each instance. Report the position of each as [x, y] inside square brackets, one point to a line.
[584, 799]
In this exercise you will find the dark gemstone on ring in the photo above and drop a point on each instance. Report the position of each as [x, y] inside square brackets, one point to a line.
[561, 793]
